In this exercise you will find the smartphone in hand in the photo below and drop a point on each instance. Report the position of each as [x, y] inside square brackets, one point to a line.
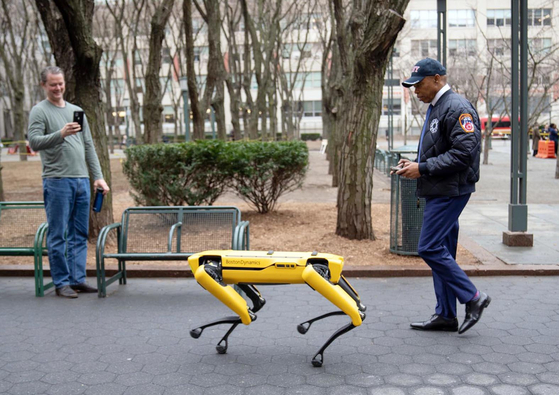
[78, 117]
[396, 168]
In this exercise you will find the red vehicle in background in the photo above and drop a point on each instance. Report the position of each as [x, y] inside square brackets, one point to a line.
[501, 127]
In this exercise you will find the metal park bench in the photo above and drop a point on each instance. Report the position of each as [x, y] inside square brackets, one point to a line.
[23, 229]
[169, 234]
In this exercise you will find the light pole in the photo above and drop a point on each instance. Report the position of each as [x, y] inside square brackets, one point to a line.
[184, 90]
[211, 111]
[126, 104]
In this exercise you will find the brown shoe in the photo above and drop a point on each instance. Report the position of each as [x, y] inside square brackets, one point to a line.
[66, 292]
[84, 287]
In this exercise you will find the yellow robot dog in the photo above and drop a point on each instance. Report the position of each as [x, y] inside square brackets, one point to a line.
[322, 272]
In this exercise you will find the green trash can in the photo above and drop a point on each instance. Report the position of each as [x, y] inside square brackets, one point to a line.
[406, 215]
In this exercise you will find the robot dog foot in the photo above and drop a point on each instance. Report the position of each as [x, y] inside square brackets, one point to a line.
[318, 359]
[303, 328]
[223, 344]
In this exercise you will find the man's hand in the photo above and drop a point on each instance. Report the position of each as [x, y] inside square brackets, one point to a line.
[70, 129]
[409, 169]
[100, 183]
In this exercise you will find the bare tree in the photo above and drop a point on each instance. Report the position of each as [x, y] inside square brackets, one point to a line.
[104, 32]
[262, 25]
[214, 92]
[78, 19]
[15, 37]
[365, 37]
[154, 94]
[196, 107]
[131, 28]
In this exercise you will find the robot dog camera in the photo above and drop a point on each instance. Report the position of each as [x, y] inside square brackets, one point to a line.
[214, 270]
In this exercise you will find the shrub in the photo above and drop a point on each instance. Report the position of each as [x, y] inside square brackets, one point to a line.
[310, 136]
[193, 173]
[263, 171]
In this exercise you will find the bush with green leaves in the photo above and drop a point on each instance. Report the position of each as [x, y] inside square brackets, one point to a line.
[197, 173]
[194, 173]
[263, 171]
[310, 136]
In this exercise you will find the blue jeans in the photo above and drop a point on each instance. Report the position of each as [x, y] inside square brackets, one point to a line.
[67, 208]
[438, 242]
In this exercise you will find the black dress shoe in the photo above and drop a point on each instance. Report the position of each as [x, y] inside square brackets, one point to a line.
[474, 311]
[84, 287]
[437, 323]
[66, 292]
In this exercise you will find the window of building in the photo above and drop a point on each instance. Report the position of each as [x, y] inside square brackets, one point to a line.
[201, 82]
[396, 106]
[137, 57]
[540, 45]
[199, 26]
[168, 114]
[311, 108]
[166, 55]
[297, 50]
[201, 53]
[539, 17]
[424, 48]
[499, 47]
[117, 86]
[311, 80]
[140, 85]
[461, 18]
[391, 82]
[462, 47]
[498, 18]
[423, 19]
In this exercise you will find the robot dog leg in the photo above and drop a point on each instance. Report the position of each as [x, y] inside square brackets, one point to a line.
[209, 276]
[342, 295]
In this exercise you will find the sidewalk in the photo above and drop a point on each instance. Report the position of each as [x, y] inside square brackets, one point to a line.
[136, 341]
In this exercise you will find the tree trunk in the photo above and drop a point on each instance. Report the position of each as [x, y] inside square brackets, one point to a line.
[108, 109]
[153, 125]
[364, 50]
[198, 114]
[2, 198]
[60, 44]
[215, 90]
[77, 16]
[487, 141]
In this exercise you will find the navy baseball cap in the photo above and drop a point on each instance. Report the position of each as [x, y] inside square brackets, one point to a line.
[422, 69]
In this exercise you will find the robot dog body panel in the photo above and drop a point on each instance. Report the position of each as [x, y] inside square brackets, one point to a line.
[214, 270]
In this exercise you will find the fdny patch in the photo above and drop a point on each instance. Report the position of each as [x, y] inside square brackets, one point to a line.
[467, 123]
[434, 126]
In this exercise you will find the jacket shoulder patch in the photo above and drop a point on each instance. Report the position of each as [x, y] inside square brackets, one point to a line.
[467, 123]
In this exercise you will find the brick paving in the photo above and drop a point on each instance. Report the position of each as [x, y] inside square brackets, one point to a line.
[137, 341]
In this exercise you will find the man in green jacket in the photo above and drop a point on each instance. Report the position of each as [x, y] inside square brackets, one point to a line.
[68, 157]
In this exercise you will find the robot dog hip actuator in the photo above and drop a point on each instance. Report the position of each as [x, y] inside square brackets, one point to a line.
[216, 270]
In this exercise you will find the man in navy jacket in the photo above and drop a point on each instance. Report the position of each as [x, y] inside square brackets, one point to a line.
[446, 169]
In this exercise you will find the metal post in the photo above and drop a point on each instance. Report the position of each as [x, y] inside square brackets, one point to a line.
[390, 105]
[212, 114]
[441, 31]
[186, 111]
[127, 127]
[518, 210]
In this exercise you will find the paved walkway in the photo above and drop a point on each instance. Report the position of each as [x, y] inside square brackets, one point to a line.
[137, 341]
